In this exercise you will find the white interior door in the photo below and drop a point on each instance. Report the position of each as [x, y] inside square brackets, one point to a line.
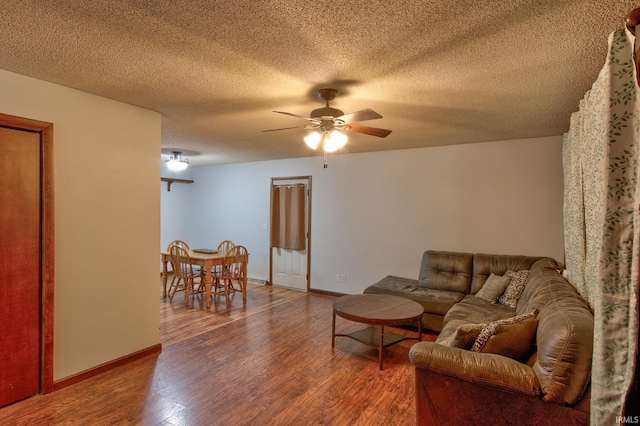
[289, 268]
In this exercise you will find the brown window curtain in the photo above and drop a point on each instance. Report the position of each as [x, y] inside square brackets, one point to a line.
[288, 217]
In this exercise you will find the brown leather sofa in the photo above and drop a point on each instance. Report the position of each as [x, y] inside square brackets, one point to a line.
[445, 278]
[460, 387]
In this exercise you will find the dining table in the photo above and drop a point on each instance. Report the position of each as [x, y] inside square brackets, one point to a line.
[205, 259]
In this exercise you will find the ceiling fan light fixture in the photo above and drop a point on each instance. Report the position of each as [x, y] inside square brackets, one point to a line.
[330, 124]
[176, 163]
[334, 140]
[313, 139]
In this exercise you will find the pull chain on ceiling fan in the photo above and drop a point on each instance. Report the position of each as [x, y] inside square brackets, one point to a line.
[329, 124]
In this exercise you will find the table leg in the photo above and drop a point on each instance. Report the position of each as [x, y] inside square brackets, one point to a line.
[381, 345]
[227, 284]
[188, 283]
[420, 330]
[333, 331]
[164, 278]
[207, 285]
[244, 284]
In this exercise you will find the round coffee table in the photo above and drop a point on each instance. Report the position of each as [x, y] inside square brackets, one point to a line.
[377, 310]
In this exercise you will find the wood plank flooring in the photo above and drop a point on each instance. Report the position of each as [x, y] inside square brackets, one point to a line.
[267, 363]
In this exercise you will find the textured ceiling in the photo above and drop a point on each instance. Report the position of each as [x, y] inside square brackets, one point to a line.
[440, 72]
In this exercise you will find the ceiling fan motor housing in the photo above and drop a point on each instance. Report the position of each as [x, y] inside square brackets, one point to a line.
[327, 94]
[326, 111]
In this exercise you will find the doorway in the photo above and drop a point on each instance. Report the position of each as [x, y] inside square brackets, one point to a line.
[290, 242]
[26, 258]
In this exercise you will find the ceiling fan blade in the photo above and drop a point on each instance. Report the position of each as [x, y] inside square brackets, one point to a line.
[294, 115]
[363, 115]
[284, 128]
[373, 131]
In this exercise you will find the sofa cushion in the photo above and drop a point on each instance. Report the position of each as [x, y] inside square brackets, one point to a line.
[442, 270]
[486, 264]
[544, 284]
[434, 301]
[565, 349]
[493, 288]
[516, 340]
[473, 310]
[564, 337]
[515, 288]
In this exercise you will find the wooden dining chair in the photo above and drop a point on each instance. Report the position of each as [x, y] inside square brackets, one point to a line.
[226, 245]
[180, 243]
[232, 277]
[175, 280]
[196, 269]
[187, 279]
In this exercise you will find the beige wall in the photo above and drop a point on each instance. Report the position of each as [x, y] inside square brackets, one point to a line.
[107, 207]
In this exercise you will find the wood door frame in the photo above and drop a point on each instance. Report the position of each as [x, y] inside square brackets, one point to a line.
[273, 183]
[47, 247]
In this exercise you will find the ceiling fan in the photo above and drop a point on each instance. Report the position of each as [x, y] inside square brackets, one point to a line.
[328, 124]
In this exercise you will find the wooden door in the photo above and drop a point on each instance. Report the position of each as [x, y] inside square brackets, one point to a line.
[288, 267]
[20, 268]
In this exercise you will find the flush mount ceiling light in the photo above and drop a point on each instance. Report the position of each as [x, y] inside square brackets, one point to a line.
[176, 163]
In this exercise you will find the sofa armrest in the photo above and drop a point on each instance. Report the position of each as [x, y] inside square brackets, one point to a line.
[489, 370]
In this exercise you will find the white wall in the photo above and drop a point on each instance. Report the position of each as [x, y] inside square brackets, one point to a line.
[174, 207]
[107, 205]
[374, 214]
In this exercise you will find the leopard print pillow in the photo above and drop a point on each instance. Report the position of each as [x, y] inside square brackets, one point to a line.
[513, 291]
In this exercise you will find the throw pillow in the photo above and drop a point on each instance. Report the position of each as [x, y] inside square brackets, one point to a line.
[493, 288]
[522, 336]
[513, 291]
[464, 336]
[515, 341]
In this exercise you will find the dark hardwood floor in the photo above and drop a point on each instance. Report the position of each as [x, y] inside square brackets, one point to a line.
[267, 363]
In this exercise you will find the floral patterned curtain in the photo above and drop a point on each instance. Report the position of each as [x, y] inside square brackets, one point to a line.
[602, 224]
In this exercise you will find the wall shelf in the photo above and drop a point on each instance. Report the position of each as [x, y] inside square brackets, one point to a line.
[172, 180]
